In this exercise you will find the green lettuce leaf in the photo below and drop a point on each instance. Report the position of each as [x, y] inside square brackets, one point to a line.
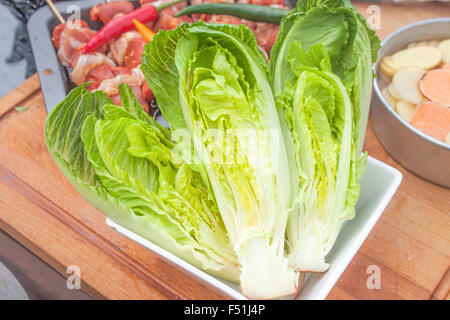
[121, 161]
[225, 104]
[321, 73]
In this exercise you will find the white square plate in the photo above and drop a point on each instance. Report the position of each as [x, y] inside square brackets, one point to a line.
[378, 185]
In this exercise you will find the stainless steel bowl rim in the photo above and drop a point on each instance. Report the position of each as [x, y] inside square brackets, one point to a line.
[386, 104]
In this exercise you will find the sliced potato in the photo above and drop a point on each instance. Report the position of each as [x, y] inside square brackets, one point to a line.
[391, 64]
[393, 92]
[425, 57]
[445, 48]
[447, 138]
[422, 44]
[384, 78]
[411, 45]
[388, 97]
[405, 110]
[406, 84]
[386, 69]
[434, 43]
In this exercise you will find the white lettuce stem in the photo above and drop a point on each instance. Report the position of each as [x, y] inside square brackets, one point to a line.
[308, 255]
[305, 234]
[265, 275]
[310, 237]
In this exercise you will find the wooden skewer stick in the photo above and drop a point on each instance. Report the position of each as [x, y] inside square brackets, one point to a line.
[55, 11]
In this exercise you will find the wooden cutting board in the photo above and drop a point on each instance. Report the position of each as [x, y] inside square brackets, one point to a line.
[410, 244]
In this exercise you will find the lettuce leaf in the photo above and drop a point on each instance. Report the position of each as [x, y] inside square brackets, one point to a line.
[321, 74]
[225, 104]
[121, 161]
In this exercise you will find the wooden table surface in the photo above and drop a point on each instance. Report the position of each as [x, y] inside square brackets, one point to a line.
[38, 207]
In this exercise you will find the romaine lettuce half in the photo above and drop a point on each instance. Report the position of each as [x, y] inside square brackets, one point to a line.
[121, 161]
[212, 81]
[321, 72]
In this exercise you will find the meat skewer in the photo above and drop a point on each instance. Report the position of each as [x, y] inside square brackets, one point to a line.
[118, 59]
[55, 11]
[105, 12]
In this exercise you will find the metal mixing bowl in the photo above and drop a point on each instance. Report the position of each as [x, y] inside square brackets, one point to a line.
[421, 154]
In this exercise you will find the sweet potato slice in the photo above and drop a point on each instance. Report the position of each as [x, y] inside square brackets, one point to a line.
[446, 66]
[405, 110]
[435, 85]
[432, 119]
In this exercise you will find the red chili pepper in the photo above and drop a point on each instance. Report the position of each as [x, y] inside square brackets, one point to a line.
[117, 26]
